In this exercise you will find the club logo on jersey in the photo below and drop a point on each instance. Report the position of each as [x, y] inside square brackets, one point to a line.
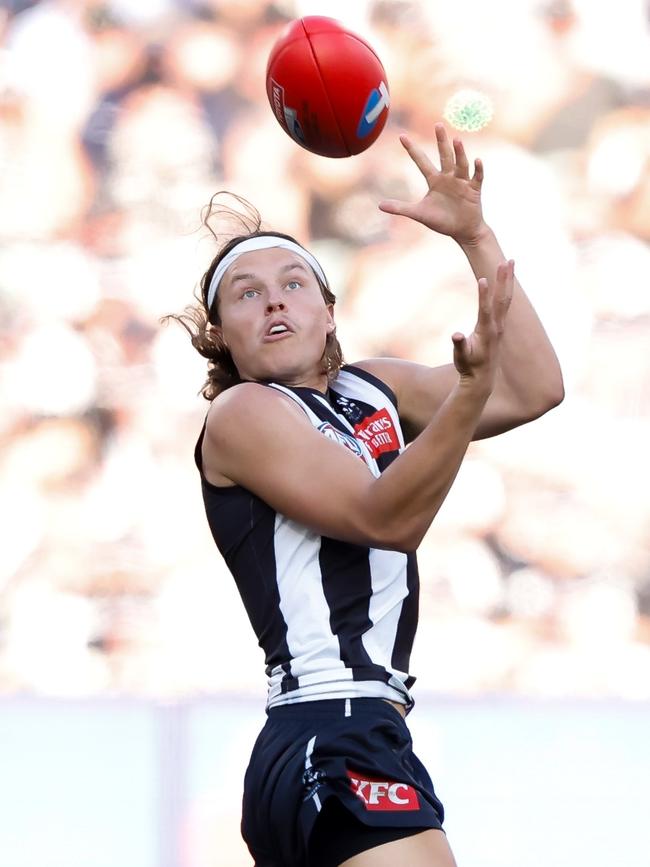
[351, 410]
[339, 437]
[378, 100]
[378, 433]
[383, 794]
[287, 116]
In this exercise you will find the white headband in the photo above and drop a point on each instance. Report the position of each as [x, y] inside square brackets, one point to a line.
[260, 242]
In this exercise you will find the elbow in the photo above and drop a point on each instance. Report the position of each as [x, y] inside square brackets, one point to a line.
[559, 393]
[548, 397]
[409, 545]
[400, 545]
[400, 535]
[553, 396]
[397, 523]
[555, 389]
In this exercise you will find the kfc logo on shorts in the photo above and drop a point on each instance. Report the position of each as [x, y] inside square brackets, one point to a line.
[383, 794]
[378, 433]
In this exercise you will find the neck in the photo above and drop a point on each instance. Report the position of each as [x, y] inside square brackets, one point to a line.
[318, 382]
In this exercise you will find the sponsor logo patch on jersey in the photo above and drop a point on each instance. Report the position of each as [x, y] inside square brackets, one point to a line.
[339, 437]
[378, 432]
[378, 100]
[383, 794]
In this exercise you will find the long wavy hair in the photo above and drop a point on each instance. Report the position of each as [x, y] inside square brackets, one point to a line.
[197, 319]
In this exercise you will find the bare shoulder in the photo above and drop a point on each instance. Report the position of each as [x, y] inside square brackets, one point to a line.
[239, 420]
[247, 403]
[260, 439]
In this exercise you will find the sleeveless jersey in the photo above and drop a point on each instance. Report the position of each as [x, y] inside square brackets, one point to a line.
[335, 620]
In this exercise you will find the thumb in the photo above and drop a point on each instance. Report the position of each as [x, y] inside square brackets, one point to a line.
[460, 352]
[393, 206]
[459, 340]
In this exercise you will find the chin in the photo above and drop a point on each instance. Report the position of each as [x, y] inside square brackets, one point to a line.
[284, 373]
[284, 366]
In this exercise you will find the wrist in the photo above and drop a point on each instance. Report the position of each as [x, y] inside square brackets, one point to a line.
[483, 234]
[475, 388]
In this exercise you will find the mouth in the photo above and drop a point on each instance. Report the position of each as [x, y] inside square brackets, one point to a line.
[277, 330]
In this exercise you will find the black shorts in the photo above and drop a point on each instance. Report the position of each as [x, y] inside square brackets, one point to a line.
[329, 779]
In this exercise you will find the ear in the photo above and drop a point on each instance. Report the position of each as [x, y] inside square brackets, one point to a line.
[217, 331]
[331, 324]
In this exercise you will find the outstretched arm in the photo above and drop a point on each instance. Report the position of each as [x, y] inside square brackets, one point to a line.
[260, 439]
[529, 380]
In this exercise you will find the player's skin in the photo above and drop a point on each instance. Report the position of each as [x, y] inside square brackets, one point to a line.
[504, 374]
[529, 380]
[258, 438]
[426, 849]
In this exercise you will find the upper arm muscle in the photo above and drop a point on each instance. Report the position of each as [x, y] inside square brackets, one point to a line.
[258, 438]
[421, 391]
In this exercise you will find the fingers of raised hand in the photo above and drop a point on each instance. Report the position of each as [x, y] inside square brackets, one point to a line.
[461, 352]
[477, 177]
[484, 304]
[462, 165]
[494, 299]
[419, 157]
[453, 159]
[447, 157]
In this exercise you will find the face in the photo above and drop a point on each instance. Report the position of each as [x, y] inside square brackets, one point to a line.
[274, 318]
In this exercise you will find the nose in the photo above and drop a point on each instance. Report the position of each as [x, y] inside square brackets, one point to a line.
[274, 304]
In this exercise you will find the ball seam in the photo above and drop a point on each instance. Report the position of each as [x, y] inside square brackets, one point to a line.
[327, 96]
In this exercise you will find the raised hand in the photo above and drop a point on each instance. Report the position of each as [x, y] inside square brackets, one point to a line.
[476, 356]
[452, 204]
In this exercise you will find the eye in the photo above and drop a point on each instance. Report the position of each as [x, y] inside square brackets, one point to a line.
[249, 293]
[294, 284]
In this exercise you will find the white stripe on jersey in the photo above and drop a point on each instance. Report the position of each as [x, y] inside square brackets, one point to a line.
[302, 601]
[389, 589]
[315, 651]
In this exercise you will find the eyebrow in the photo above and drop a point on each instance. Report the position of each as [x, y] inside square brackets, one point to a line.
[283, 270]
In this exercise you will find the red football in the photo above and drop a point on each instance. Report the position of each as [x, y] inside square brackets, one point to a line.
[327, 87]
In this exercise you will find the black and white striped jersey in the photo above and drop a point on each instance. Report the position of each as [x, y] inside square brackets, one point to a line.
[335, 620]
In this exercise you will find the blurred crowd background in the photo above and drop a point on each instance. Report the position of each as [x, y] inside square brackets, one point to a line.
[118, 121]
